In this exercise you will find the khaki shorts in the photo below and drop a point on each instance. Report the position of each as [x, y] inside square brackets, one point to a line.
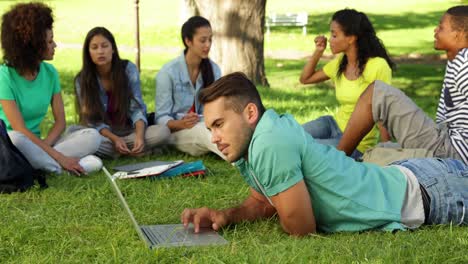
[408, 124]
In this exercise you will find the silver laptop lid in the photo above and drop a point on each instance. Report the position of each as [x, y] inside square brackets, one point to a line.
[168, 235]
[125, 205]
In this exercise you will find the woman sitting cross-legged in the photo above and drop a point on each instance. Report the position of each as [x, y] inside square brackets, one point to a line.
[109, 99]
[28, 85]
[178, 84]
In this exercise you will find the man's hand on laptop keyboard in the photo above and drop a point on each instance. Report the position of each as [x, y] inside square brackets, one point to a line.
[204, 217]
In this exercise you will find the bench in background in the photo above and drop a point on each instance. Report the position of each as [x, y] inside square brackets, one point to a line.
[289, 19]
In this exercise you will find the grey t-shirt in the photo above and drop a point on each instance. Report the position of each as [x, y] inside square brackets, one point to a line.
[412, 212]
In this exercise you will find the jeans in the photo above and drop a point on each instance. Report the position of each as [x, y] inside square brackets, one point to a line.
[446, 182]
[325, 131]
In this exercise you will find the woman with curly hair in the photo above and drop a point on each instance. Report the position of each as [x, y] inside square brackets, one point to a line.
[109, 99]
[28, 85]
[362, 59]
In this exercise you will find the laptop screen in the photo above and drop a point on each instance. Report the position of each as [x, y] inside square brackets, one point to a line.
[124, 204]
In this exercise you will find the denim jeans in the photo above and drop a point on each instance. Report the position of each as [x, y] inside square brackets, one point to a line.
[325, 131]
[446, 182]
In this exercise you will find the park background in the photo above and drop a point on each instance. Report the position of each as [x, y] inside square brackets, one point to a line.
[80, 220]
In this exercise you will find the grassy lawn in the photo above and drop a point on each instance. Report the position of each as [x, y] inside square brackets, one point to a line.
[404, 26]
[79, 220]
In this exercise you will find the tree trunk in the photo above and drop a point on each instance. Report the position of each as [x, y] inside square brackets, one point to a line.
[238, 30]
[137, 35]
[189, 9]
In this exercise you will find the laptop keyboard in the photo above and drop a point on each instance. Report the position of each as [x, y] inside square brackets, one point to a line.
[157, 235]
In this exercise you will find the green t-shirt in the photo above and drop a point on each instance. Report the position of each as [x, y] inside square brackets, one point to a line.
[346, 195]
[32, 97]
[348, 92]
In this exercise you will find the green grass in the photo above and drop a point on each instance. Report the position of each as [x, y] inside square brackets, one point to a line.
[79, 220]
[404, 26]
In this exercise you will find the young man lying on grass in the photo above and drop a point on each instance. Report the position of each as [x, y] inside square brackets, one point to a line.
[314, 187]
[404, 120]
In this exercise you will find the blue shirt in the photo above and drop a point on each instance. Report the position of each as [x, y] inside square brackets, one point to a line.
[346, 195]
[175, 92]
[137, 109]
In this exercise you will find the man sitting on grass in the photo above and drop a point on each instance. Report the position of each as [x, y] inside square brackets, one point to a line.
[406, 122]
[317, 187]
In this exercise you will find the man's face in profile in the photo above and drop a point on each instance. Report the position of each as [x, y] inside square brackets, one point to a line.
[230, 131]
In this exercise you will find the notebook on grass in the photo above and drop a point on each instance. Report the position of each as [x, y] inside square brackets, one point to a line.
[144, 169]
[185, 170]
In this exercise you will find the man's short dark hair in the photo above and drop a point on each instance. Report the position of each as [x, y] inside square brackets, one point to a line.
[459, 18]
[237, 89]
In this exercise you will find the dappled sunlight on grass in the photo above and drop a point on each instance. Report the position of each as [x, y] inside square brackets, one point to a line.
[404, 32]
[378, 7]
[286, 94]
[79, 219]
[402, 27]
[422, 82]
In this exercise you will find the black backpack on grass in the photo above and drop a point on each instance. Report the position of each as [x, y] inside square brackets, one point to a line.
[16, 173]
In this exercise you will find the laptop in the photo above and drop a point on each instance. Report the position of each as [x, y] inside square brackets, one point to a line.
[144, 169]
[171, 235]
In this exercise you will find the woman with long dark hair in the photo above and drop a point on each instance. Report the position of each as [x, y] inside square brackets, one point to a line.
[178, 84]
[28, 85]
[361, 59]
[109, 99]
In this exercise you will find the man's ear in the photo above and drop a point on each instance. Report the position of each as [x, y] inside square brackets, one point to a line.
[251, 113]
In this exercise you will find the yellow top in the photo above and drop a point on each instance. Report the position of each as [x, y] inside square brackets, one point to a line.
[348, 92]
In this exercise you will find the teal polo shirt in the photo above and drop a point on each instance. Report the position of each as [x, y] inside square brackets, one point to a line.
[31, 97]
[346, 195]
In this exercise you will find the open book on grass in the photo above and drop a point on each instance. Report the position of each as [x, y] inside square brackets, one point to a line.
[145, 169]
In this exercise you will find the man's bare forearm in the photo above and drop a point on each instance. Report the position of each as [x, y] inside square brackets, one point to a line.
[251, 209]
